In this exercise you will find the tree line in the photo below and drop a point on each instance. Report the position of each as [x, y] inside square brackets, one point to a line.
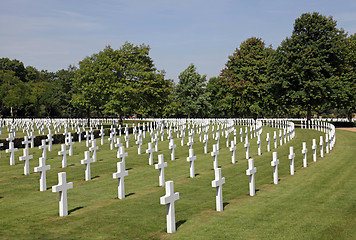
[312, 72]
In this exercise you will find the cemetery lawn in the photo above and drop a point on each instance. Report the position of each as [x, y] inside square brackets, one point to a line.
[318, 202]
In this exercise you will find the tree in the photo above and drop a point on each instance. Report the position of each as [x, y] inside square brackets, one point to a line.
[308, 63]
[15, 66]
[190, 93]
[120, 82]
[13, 93]
[63, 85]
[244, 77]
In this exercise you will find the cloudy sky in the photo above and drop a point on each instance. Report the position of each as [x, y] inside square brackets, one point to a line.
[52, 34]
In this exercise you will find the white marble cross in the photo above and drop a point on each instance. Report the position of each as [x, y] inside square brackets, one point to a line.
[235, 137]
[49, 139]
[247, 146]
[274, 164]
[217, 138]
[241, 135]
[182, 135]
[10, 138]
[150, 151]
[291, 157]
[217, 183]
[275, 139]
[268, 139]
[304, 152]
[161, 165]
[43, 147]
[321, 147]
[120, 175]
[62, 188]
[227, 139]
[326, 143]
[191, 160]
[169, 200]
[42, 169]
[233, 149]
[215, 154]
[314, 146]
[111, 140]
[32, 138]
[12, 151]
[156, 142]
[205, 141]
[259, 144]
[127, 139]
[101, 135]
[64, 153]
[87, 161]
[139, 143]
[118, 144]
[87, 136]
[172, 146]
[251, 172]
[70, 143]
[122, 154]
[190, 143]
[280, 138]
[93, 149]
[26, 158]
[79, 132]
[25, 141]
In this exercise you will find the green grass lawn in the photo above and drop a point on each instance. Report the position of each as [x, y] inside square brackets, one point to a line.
[318, 202]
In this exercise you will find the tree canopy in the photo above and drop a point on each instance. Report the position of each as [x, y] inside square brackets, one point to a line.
[190, 94]
[312, 72]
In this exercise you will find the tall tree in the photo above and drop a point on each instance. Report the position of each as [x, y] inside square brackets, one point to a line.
[307, 63]
[245, 76]
[190, 93]
[119, 82]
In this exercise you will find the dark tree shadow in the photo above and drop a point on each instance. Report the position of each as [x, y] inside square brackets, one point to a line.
[74, 209]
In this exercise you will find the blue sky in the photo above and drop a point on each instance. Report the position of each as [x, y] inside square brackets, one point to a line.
[52, 34]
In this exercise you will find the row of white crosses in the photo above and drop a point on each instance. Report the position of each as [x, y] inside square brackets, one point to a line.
[216, 183]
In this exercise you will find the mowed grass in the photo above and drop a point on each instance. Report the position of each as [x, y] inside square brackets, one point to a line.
[318, 202]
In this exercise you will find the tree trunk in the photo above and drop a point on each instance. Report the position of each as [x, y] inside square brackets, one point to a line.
[309, 113]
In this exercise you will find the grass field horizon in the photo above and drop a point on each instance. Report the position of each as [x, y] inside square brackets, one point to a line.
[318, 202]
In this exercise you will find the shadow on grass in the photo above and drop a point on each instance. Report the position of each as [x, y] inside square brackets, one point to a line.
[197, 174]
[71, 165]
[130, 194]
[225, 204]
[95, 177]
[74, 209]
[179, 223]
[128, 169]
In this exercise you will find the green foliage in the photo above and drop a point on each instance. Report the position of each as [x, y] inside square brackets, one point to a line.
[245, 77]
[307, 65]
[190, 93]
[120, 82]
